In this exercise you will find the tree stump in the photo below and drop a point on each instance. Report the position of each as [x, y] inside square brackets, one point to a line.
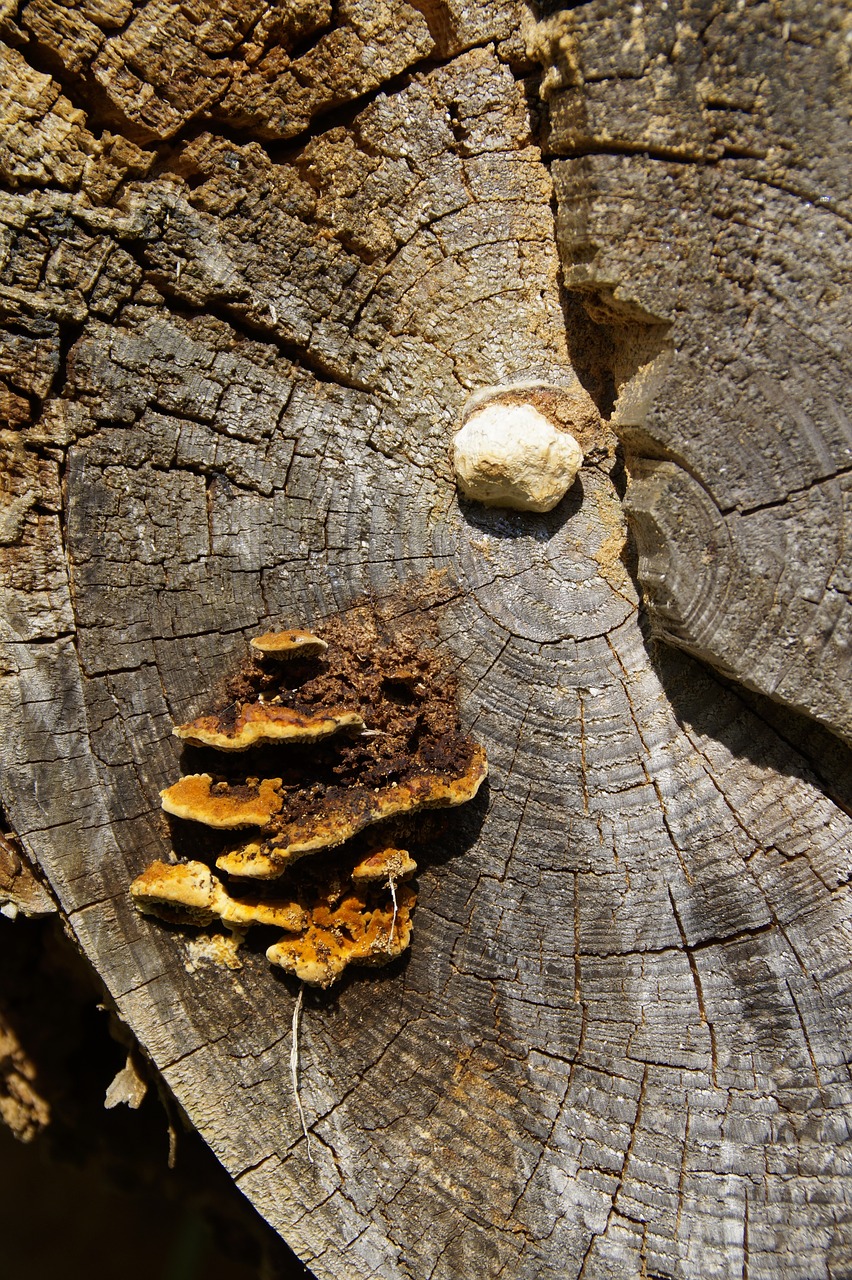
[255, 263]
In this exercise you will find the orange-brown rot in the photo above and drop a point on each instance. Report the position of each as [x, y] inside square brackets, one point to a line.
[269, 856]
[221, 804]
[353, 930]
[188, 893]
[262, 722]
[294, 643]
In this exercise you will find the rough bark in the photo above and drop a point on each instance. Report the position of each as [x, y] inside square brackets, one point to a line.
[242, 314]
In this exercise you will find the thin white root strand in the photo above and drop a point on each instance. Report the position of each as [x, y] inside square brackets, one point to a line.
[392, 884]
[294, 1067]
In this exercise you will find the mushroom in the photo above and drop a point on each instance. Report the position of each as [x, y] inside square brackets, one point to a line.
[289, 644]
[222, 804]
[385, 864]
[353, 905]
[343, 816]
[189, 893]
[347, 919]
[355, 927]
[253, 722]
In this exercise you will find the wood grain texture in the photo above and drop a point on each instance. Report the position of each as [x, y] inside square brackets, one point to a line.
[619, 1046]
[704, 226]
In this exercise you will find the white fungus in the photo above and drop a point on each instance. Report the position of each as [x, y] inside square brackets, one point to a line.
[511, 455]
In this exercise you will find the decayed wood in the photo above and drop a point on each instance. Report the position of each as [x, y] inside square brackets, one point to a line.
[619, 1044]
[22, 1108]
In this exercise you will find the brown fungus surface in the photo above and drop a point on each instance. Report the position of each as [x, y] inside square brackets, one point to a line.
[357, 728]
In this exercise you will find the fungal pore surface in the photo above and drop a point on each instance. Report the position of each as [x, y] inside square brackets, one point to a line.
[314, 775]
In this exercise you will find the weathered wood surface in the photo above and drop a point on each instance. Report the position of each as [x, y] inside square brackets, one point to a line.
[704, 222]
[244, 302]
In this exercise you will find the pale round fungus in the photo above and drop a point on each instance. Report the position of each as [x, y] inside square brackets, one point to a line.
[511, 455]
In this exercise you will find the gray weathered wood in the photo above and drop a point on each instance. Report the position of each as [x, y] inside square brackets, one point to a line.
[704, 226]
[620, 1044]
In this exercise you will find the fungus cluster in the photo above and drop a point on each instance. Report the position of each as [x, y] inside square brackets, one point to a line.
[325, 746]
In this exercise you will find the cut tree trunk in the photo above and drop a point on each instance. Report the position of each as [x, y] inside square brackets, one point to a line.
[255, 261]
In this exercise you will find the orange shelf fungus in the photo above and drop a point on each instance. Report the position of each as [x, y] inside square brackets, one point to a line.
[353, 931]
[343, 816]
[218, 804]
[351, 902]
[386, 864]
[289, 644]
[189, 893]
[259, 722]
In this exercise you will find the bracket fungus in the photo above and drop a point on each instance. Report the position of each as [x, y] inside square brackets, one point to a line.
[224, 805]
[250, 723]
[375, 718]
[511, 453]
[189, 893]
[288, 644]
[340, 814]
[352, 920]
